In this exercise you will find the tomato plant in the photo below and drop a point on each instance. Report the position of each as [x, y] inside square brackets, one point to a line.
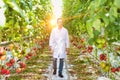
[98, 22]
[22, 33]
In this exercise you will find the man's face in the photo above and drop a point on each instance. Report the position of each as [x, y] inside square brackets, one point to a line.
[59, 23]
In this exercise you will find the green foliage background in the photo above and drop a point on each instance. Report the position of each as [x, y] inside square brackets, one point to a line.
[21, 15]
[81, 16]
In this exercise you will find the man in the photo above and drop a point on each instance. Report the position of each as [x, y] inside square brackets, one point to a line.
[59, 46]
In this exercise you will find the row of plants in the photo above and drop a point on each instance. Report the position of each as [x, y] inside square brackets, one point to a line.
[105, 60]
[81, 65]
[97, 22]
[23, 30]
[24, 18]
[36, 66]
[14, 57]
[93, 19]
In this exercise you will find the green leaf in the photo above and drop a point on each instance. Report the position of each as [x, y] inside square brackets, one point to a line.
[15, 7]
[96, 24]
[102, 2]
[30, 4]
[117, 3]
[89, 27]
[112, 19]
[23, 4]
[113, 11]
[91, 41]
[106, 20]
[92, 6]
[96, 34]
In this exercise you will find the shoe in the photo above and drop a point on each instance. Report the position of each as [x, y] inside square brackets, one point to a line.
[54, 73]
[60, 75]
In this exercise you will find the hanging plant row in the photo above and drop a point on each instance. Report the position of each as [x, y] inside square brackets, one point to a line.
[95, 26]
[23, 30]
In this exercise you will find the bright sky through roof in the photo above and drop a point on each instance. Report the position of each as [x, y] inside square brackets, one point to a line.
[57, 8]
[2, 16]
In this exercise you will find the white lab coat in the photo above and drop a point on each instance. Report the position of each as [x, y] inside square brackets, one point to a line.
[59, 41]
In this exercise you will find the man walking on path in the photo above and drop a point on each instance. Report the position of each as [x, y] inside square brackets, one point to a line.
[59, 46]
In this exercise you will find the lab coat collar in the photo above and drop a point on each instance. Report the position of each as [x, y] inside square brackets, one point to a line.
[60, 29]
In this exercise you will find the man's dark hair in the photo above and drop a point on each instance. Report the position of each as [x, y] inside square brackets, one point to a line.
[59, 19]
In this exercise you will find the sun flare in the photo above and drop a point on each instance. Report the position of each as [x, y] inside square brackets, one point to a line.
[53, 21]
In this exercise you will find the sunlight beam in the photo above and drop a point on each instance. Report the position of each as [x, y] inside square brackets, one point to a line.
[57, 8]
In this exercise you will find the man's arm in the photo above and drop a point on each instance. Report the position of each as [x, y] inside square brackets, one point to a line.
[51, 41]
[67, 43]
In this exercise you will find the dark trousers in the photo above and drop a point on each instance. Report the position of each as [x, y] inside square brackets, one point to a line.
[60, 65]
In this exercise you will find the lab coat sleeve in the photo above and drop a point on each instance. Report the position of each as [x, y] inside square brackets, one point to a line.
[51, 40]
[67, 40]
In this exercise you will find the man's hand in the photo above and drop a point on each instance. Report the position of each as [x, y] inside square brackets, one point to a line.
[51, 51]
[67, 50]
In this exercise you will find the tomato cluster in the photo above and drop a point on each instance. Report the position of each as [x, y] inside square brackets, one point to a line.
[115, 69]
[103, 57]
[4, 71]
